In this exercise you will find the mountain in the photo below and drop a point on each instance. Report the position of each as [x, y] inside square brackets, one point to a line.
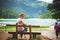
[33, 8]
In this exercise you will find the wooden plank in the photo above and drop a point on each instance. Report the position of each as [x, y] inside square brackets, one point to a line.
[23, 25]
[25, 33]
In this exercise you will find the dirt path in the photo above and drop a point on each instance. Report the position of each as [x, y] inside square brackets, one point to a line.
[3, 36]
[49, 34]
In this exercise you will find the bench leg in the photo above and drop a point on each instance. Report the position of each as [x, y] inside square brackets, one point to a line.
[21, 35]
[14, 36]
[34, 35]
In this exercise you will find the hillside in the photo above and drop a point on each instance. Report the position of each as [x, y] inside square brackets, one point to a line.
[32, 8]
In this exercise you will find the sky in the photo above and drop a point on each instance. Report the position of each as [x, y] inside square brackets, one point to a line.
[48, 1]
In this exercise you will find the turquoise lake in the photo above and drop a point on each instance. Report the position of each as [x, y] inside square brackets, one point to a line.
[40, 22]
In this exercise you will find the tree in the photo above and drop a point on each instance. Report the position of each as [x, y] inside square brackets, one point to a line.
[55, 7]
[46, 16]
[27, 16]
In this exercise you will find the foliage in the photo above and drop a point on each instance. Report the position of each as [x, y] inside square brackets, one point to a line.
[54, 7]
[27, 16]
[9, 14]
[46, 16]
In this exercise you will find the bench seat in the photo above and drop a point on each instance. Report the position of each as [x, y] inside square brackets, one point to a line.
[33, 33]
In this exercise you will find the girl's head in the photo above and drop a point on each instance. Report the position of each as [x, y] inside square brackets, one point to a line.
[56, 23]
[21, 16]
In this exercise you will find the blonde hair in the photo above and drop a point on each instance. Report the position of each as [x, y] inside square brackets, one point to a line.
[21, 15]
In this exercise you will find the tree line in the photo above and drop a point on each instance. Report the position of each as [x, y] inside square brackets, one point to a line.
[7, 14]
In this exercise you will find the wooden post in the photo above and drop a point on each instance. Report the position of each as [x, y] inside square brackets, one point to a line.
[30, 32]
[16, 31]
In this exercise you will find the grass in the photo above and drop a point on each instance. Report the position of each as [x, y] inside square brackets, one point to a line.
[13, 28]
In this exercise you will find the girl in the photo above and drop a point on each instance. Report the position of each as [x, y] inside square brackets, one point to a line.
[20, 21]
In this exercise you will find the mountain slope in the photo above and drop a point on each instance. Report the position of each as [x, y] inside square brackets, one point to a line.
[32, 8]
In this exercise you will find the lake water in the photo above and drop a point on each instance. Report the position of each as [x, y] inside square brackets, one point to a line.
[40, 22]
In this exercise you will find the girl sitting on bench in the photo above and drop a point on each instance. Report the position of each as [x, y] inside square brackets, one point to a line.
[20, 21]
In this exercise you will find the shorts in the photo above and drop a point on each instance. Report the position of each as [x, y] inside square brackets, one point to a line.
[25, 30]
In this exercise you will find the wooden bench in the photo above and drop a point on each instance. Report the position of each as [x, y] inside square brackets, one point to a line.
[15, 34]
[33, 34]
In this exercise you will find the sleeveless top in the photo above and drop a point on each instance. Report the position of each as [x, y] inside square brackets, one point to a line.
[20, 28]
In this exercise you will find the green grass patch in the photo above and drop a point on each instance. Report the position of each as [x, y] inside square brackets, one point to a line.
[13, 28]
[44, 26]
